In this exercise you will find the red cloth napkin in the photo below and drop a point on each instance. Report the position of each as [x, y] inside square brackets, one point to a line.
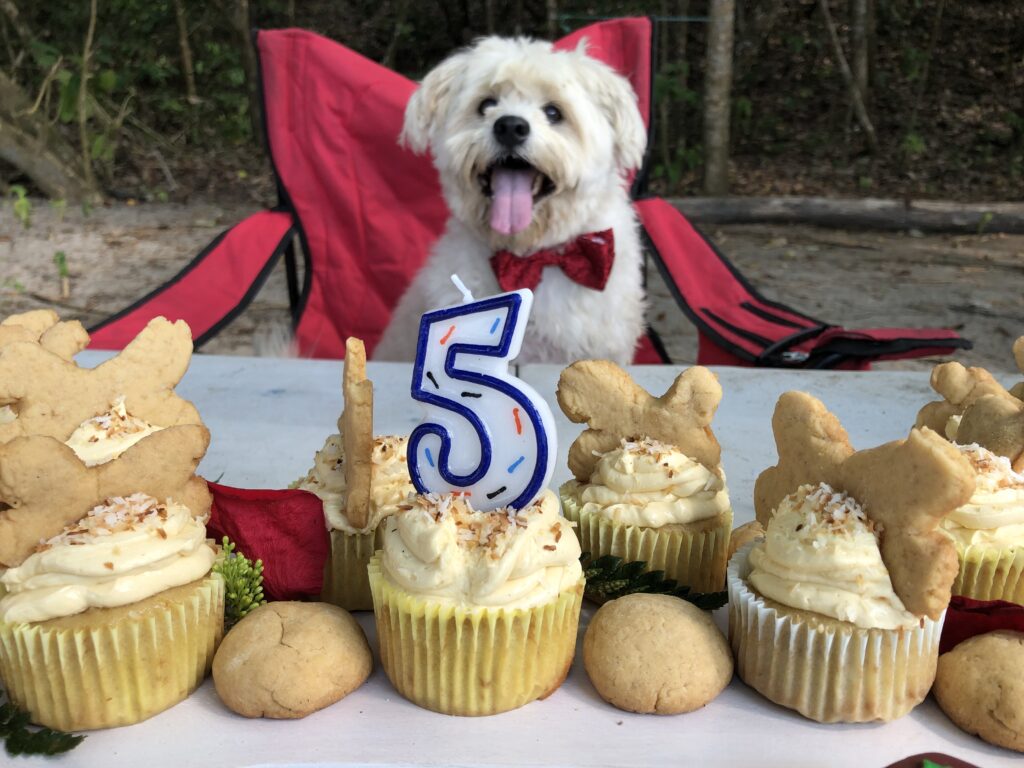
[966, 618]
[284, 529]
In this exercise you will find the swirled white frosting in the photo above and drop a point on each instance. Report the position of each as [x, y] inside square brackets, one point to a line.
[105, 437]
[390, 484]
[440, 547]
[121, 552]
[821, 554]
[995, 513]
[651, 484]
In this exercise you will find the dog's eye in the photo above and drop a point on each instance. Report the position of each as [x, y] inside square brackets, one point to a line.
[485, 105]
[553, 114]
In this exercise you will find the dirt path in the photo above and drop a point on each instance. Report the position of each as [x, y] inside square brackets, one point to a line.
[859, 279]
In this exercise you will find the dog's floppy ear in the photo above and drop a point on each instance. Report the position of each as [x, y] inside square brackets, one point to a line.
[618, 101]
[429, 102]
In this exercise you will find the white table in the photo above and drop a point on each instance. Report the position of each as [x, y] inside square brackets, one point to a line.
[268, 417]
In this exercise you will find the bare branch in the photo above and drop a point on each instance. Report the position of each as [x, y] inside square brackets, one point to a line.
[855, 95]
[83, 98]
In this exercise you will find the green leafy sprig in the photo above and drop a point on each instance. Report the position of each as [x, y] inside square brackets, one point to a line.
[608, 577]
[243, 583]
[20, 738]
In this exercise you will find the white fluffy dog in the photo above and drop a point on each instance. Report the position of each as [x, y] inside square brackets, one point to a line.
[533, 147]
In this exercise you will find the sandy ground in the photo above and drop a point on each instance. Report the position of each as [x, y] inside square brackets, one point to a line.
[974, 284]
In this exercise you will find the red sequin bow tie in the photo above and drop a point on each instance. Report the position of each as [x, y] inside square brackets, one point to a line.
[587, 260]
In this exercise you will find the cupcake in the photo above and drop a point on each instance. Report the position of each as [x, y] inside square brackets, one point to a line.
[346, 582]
[109, 610]
[361, 480]
[649, 484]
[117, 615]
[837, 612]
[476, 612]
[989, 530]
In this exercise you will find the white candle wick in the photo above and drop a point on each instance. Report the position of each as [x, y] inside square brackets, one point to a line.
[467, 295]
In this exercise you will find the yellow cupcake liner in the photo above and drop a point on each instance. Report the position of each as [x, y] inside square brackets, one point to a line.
[991, 573]
[827, 670]
[346, 582]
[695, 555]
[473, 661]
[117, 666]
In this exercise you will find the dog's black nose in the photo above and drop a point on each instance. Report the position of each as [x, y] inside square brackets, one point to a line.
[511, 131]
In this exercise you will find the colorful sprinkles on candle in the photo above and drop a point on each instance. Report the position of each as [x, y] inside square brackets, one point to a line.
[433, 380]
[515, 464]
[498, 492]
[448, 335]
[519, 424]
[494, 325]
[472, 394]
[430, 458]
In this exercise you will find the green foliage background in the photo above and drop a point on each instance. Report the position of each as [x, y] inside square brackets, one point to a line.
[792, 128]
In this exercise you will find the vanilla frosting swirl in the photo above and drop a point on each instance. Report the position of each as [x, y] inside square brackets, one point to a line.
[105, 437]
[821, 554]
[995, 512]
[440, 547]
[390, 484]
[651, 484]
[121, 552]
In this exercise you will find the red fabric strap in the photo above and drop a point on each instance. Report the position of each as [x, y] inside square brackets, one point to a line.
[587, 260]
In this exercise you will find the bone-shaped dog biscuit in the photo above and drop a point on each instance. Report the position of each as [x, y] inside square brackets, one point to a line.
[48, 487]
[812, 446]
[53, 396]
[906, 486]
[356, 428]
[909, 486]
[615, 408]
[43, 326]
[959, 387]
[996, 423]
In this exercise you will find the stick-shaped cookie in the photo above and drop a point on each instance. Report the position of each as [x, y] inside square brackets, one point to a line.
[48, 487]
[960, 387]
[1017, 390]
[812, 447]
[996, 423]
[356, 427]
[53, 396]
[43, 326]
[615, 408]
[909, 486]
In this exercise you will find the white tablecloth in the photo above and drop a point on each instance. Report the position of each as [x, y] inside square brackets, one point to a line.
[268, 417]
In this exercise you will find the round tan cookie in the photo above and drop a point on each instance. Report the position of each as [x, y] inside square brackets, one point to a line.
[979, 686]
[656, 653]
[288, 659]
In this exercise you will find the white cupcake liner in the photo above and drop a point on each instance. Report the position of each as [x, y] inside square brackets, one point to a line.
[827, 670]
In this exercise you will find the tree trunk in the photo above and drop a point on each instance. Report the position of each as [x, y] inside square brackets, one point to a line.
[859, 109]
[552, 19]
[489, 16]
[400, 14]
[238, 11]
[187, 68]
[717, 85]
[83, 98]
[859, 42]
[33, 146]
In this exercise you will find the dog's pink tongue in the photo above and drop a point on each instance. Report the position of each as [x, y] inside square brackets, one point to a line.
[512, 200]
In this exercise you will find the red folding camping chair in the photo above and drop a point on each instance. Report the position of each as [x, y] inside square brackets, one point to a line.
[366, 212]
